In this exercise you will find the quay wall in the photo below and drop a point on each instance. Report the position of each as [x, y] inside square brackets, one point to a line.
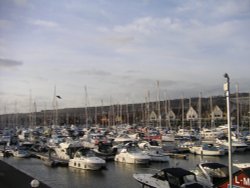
[10, 177]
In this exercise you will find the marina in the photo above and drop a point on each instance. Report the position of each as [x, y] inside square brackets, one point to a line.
[124, 94]
[116, 174]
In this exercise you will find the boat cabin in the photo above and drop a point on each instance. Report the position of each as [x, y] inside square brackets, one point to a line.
[177, 177]
[241, 178]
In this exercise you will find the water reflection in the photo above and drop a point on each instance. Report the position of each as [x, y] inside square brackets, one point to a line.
[116, 175]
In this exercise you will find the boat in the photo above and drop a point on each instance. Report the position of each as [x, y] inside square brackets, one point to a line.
[65, 150]
[237, 144]
[169, 178]
[20, 152]
[85, 159]
[241, 178]
[123, 138]
[207, 149]
[156, 155]
[168, 137]
[185, 134]
[211, 174]
[210, 135]
[131, 153]
[149, 144]
[105, 151]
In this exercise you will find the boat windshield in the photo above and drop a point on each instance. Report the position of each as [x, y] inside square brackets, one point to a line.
[133, 149]
[189, 178]
[217, 172]
[85, 153]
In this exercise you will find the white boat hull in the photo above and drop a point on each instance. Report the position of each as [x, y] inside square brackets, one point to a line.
[148, 180]
[199, 151]
[133, 159]
[92, 163]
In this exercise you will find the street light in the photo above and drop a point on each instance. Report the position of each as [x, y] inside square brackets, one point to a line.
[227, 91]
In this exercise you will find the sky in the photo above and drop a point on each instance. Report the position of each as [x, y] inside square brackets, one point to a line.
[119, 49]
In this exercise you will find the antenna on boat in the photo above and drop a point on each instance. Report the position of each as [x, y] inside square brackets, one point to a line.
[227, 92]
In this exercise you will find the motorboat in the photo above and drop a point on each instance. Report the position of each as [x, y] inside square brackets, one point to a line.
[207, 149]
[149, 144]
[169, 178]
[241, 178]
[105, 151]
[185, 134]
[20, 152]
[86, 159]
[154, 150]
[168, 137]
[65, 150]
[156, 155]
[131, 153]
[211, 174]
[122, 138]
[210, 134]
[237, 144]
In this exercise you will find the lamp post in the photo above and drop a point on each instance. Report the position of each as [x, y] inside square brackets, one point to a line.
[227, 91]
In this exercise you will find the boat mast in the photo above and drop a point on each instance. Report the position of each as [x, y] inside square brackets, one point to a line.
[102, 113]
[182, 111]
[34, 117]
[16, 115]
[166, 112]
[249, 111]
[127, 114]
[237, 108]
[148, 108]
[86, 106]
[199, 111]
[55, 107]
[95, 114]
[159, 103]
[30, 110]
[212, 113]
[169, 115]
[133, 111]
[191, 119]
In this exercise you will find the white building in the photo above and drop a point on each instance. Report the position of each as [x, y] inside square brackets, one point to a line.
[191, 114]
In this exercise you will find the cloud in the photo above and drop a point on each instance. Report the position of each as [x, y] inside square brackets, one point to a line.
[119, 40]
[44, 23]
[93, 72]
[5, 24]
[9, 63]
[21, 2]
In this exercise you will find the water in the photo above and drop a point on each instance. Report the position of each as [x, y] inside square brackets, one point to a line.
[116, 175]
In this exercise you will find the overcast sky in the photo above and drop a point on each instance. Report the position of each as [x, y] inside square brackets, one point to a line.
[118, 49]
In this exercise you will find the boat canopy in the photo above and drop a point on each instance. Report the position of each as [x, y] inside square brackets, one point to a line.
[177, 172]
[213, 165]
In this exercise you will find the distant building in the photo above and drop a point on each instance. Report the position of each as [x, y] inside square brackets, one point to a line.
[191, 114]
[217, 113]
[153, 116]
[171, 115]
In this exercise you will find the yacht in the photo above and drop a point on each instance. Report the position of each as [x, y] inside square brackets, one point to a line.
[185, 134]
[237, 144]
[169, 178]
[132, 154]
[21, 152]
[207, 149]
[65, 150]
[86, 159]
[210, 134]
[211, 174]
